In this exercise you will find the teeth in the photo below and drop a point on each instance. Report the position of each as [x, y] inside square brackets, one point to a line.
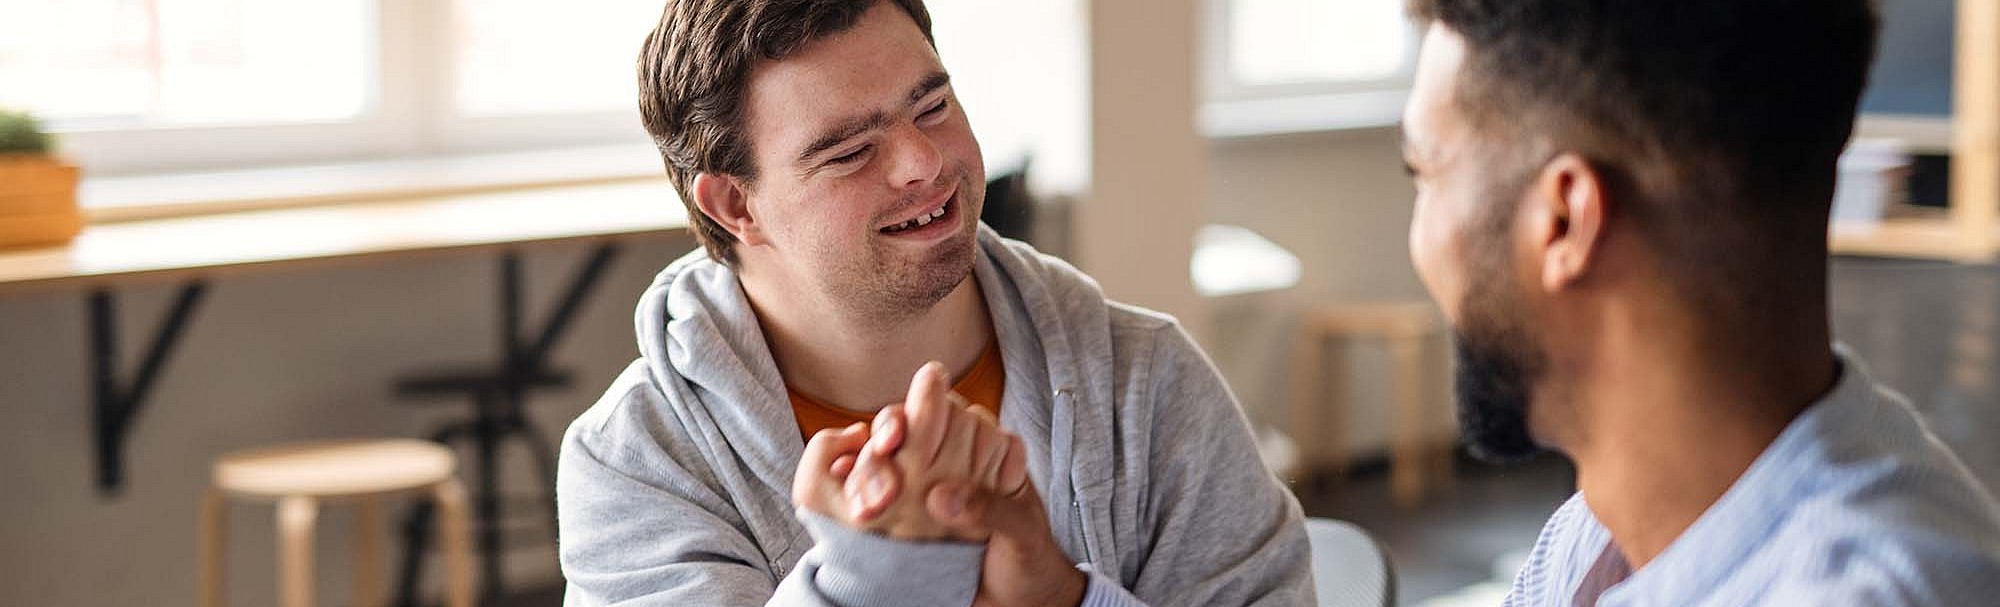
[921, 220]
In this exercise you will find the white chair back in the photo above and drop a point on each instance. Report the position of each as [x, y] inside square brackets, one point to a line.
[1349, 568]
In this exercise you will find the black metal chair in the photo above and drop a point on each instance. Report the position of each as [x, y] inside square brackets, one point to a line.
[497, 392]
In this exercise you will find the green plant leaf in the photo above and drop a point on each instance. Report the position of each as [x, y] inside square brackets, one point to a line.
[20, 132]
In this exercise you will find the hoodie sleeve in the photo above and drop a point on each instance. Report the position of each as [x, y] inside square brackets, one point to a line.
[640, 526]
[1224, 530]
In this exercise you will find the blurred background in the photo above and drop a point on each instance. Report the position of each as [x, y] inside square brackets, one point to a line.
[316, 219]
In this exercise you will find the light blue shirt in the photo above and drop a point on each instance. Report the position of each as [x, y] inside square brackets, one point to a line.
[1855, 503]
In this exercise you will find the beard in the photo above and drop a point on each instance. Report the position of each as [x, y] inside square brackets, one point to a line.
[1493, 387]
[890, 284]
[1497, 359]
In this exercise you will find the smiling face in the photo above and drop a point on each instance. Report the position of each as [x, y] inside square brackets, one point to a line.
[868, 180]
[1461, 238]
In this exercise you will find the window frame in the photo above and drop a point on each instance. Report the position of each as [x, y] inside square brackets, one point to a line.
[410, 113]
[1231, 108]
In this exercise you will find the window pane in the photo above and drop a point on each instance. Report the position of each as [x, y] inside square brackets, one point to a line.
[129, 63]
[536, 56]
[1292, 41]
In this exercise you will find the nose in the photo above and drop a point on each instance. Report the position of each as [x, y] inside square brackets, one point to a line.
[917, 158]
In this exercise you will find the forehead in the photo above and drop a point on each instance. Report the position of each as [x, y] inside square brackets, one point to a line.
[1431, 112]
[870, 66]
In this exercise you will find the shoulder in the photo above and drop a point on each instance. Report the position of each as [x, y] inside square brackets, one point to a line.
[632, 427]
[1917, 534]
[1895, 520]
[631, 397]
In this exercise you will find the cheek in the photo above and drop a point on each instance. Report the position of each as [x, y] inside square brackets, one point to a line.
[1434, 250]
[814, 218]
[959, 143]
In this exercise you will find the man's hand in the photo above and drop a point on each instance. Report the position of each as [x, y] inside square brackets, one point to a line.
[823, 472]
[855, 475]
[966, 480]
[934, 436]
[1024, 566]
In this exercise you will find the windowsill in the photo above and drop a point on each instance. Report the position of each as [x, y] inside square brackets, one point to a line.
[1248, 119]
[1920, 134]
[130, 198]
[1252, 118]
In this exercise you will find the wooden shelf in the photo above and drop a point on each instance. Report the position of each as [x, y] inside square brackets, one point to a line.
[1910, 238]
[192, 247]
[1968, 232]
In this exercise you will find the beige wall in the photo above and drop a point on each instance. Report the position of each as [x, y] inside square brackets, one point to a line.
[1341, 202]
[1135, 225]
[270, 357]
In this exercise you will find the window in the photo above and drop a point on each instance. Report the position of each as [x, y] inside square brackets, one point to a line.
[124, 63]
[539, 57]
[138, 86]
[1278, 66]
[1021, 70]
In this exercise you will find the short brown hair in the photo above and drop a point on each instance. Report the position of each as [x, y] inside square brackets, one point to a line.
[692, 75]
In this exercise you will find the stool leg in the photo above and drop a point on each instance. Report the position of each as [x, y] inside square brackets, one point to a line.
[1408, 462]
[296, 517]
[367, 539]
[209, 547]
[454, 537]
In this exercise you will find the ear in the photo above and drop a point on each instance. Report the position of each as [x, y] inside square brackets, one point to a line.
[723, 199]
[1569, 202]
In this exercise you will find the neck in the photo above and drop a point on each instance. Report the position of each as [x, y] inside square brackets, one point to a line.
[864, 364]
[1672, 407]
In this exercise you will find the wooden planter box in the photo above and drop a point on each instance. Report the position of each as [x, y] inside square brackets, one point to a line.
[37, 201]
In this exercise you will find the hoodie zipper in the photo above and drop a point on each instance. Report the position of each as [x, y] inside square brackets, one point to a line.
[1066, 402]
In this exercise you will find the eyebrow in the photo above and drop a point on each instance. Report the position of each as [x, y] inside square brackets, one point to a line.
[849, 128]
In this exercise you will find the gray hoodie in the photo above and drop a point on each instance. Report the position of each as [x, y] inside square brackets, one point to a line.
[674, 489]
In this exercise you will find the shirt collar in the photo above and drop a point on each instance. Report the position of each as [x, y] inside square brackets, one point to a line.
[1748, 513]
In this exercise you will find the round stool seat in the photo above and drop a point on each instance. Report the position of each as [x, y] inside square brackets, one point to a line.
[335, 468]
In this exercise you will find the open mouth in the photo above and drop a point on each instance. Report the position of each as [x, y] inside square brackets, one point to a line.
[934, 219]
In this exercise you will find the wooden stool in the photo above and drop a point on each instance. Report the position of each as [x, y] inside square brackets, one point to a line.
[1406, 329]
[300, 476]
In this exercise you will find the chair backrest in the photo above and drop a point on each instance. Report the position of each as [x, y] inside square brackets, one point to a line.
[1349, 568]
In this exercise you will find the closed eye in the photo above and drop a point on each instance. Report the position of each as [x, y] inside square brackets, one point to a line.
[936, 112]
[850, 156]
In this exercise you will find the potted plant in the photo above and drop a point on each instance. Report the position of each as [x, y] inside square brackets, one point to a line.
[37, 189]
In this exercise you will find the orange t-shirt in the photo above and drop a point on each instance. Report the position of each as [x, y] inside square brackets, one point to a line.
[981, 386]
